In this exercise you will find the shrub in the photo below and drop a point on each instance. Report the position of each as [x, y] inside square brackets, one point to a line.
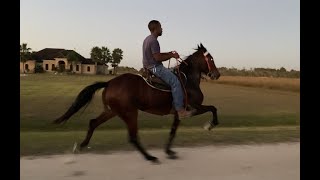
[38, 69]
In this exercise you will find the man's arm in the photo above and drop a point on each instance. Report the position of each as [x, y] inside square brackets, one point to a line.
[158, 56]
[163, 56]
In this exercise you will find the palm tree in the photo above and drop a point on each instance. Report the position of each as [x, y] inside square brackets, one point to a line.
[117, 56]
[24, 54]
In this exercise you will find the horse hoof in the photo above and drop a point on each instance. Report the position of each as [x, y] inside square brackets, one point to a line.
[152, 159]
[156, 161]
[173, 156]
[208, 127]
[82, 147]
[170, 152]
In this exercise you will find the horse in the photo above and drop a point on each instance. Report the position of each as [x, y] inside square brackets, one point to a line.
[128, 93]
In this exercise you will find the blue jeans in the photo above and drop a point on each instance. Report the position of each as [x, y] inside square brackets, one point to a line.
[170, 78]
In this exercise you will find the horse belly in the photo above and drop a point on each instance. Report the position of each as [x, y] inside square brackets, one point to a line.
[131, 92]
[155, 102]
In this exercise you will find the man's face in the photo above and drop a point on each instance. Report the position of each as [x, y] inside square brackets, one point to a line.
[159, 30]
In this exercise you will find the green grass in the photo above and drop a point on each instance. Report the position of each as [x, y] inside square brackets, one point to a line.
[44, 97]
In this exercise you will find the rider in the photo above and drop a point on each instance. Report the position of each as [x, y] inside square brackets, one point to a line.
[152, 60]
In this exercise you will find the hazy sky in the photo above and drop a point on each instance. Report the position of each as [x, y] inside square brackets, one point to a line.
[238, 33]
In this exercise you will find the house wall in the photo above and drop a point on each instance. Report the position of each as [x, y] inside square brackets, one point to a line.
[50, 63]
[64, 60]
[79, 70]
[55, 62]
[31, 65]
[102, 69]
[84, 69]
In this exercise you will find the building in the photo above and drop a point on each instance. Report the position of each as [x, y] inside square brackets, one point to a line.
[53, 60]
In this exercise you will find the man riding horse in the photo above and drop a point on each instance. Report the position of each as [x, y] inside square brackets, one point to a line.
[152, 60]
[126, 94]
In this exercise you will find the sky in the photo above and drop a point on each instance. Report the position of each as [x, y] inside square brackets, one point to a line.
[237, 33]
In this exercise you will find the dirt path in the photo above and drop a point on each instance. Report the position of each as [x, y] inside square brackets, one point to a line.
[240, 162]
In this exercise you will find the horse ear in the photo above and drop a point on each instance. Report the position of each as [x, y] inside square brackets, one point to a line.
[201, 45]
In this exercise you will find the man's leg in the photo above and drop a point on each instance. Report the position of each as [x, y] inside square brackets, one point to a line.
[167, 76]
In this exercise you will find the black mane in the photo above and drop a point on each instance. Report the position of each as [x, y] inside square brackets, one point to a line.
[189, 58]
[201, 47]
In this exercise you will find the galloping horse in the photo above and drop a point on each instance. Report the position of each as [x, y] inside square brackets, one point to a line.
[124, 95]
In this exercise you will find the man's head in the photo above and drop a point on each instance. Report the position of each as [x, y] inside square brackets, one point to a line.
[155, 27]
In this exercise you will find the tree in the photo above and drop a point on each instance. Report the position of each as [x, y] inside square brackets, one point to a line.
[24, 54]
[33, 55]
[106, 55]
[96, 54]
[72, 57]
[282, 69]
[117, 56]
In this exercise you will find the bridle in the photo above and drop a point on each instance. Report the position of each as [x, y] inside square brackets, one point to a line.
[207, 60]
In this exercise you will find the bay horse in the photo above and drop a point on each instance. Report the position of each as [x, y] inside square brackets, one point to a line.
[128, 93]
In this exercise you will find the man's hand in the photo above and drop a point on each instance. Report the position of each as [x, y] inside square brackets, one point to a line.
[175, 54]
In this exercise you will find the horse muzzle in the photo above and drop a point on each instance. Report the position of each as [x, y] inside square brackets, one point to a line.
[214, 75]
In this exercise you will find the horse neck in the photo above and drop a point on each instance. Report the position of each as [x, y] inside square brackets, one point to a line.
[192, 73]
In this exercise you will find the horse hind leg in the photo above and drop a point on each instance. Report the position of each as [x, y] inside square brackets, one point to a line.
[130, 118]
[94, 123]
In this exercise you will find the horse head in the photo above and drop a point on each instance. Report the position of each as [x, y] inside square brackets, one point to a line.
[205, 62]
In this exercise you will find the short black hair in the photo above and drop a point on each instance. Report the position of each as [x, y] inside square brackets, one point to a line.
[153, 25]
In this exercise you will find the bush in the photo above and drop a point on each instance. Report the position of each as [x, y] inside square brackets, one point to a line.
[38, 69]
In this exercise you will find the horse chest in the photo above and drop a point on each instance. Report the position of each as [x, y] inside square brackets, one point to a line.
[195, 96]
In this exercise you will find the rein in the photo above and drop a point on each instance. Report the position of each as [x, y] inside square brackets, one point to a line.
[184, 88]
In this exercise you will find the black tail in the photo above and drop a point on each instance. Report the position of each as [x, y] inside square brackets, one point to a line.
[82, 99]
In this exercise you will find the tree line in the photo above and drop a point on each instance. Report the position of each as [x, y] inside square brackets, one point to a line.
[259, 72]
[103, 55]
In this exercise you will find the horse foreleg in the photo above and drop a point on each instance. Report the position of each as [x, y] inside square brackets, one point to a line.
[200, 109]
[94, 123]
[130, 118]
[174, 127]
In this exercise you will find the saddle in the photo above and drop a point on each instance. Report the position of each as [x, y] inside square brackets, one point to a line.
[157, 82]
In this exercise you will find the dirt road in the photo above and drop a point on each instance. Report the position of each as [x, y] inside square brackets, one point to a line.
[237, 162]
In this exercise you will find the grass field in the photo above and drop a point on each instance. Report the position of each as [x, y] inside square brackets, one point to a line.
[288, 84]
[246, 114]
